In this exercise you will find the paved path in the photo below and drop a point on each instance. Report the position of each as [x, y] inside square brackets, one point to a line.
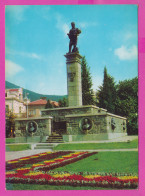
[18, 154]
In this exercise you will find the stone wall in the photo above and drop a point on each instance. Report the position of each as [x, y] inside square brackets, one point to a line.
[119, 124]
[61, 113]
[98, 124]
[43, 127]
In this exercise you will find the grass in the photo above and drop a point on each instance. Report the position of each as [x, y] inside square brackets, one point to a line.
[10, 140]
[17, 147]
[48, 187]
[122, 162]
[95, 146]
[105, 162]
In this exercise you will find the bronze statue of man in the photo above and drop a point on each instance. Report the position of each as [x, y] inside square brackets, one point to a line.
[73, 34]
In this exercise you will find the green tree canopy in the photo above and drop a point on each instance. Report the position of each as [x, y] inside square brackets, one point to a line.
[127, 103]
[48, 104]
[63, 102]
[87, 92]
[107, 94]
[10, 124]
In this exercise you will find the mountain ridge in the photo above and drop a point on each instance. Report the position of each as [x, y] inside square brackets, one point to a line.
[33, 96]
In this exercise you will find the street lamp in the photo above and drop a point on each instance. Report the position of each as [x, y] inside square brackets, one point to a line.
[27, 102]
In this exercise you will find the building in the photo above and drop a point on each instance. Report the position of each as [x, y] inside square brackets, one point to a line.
[35, 107]
[15, 103]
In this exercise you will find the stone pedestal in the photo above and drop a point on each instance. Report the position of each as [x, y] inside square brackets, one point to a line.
[74, 85]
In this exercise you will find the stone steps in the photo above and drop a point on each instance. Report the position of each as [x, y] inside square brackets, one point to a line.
[55, 139]
[44, 146]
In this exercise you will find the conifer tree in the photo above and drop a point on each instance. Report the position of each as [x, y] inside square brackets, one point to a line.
[87, 92]
[107, 93]
[48, 104]
[63, 102]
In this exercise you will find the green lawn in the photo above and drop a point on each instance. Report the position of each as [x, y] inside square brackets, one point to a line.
[48, 187]
[95, 146]
[122, 162]
[17, 147]
[10, 140]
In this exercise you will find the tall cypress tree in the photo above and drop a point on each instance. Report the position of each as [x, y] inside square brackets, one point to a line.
[107, 93]
[87, 92]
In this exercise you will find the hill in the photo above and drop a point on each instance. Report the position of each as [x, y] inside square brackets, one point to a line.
[32, 95]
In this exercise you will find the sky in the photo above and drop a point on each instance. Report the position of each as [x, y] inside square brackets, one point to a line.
[36, 41]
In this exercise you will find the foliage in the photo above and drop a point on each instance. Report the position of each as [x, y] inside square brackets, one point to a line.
[48, 104]
[10, 124]
[107, 93]
[63, 102]
[127, 103]
[87, 92]
[120, 99]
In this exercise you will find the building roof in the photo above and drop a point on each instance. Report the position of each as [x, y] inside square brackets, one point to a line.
[13, 89]
[54, 103]
[43, 102]
[38, 102]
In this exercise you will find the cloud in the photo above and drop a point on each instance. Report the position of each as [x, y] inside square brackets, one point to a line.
[17, 12]
[65, 28]
[129, 36]
[126, 53]
[86, 24]
[31, 55]
[25, 54]
[61, 24]
[11, 68]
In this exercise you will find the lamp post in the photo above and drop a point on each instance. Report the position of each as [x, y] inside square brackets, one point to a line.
[27, 102]
[27, 108]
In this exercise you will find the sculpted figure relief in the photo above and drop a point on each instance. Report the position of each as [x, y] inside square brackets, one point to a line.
[73, 34]
[32, 127]
[86, 125]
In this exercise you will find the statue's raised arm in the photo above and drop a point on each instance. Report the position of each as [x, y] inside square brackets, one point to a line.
[73, 34]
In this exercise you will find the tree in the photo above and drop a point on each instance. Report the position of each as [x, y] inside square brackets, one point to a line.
[63, 102]
[87, 92]
[10, 124]
[127, 103]
[107, 93]
[48, 104]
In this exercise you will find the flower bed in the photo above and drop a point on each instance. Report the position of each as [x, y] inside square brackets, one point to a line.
[42, 173]
[16, 163]
[73, 180]
[65, 161]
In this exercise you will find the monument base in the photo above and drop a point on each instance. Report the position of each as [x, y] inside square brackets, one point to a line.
[80, 123]
[92, 137]
[40, 134]
[86, 123]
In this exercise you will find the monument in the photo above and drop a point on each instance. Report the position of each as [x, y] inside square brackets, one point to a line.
[73, 63]
[76, 122]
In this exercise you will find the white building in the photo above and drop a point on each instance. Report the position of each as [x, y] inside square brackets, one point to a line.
[14, 102]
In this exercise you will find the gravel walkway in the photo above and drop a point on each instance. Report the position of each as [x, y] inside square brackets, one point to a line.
[18, 154]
